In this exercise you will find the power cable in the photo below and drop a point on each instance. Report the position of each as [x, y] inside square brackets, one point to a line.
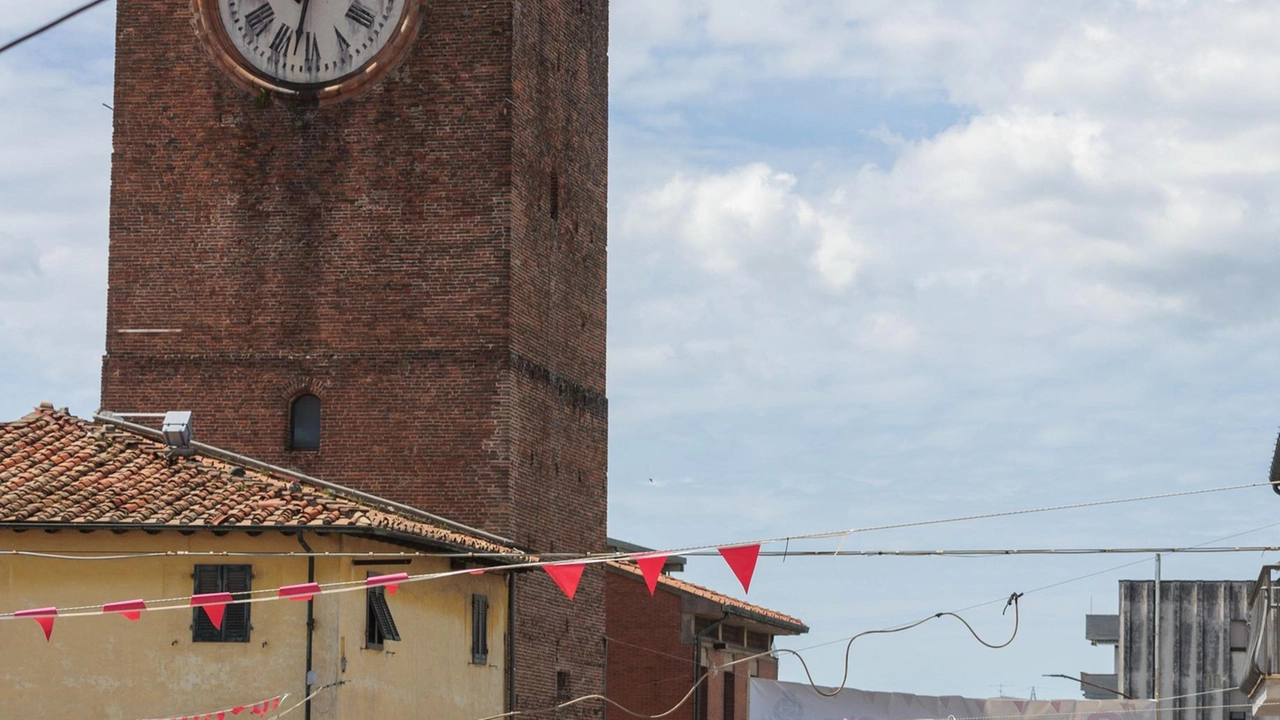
[49, 26]
[1012, 601]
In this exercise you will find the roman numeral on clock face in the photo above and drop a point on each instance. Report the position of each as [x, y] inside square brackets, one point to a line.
[312, 51]
[260, 19]
[360, 14]
[283, 38]
[344, 47]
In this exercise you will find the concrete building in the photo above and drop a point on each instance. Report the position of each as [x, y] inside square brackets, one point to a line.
[208, 523]
[1198, 658]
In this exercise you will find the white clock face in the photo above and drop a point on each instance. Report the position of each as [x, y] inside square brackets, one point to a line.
[310, 42]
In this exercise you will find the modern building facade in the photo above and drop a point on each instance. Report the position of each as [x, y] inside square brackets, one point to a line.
[1195, 661]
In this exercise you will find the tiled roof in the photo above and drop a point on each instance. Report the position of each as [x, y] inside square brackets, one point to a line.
[58, 469]
[765, 615]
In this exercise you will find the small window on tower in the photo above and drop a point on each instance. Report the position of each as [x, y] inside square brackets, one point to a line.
[304, 423]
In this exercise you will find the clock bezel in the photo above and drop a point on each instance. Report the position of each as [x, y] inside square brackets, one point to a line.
[227, 56]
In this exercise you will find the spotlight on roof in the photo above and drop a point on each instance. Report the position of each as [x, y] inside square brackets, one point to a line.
[177, 431]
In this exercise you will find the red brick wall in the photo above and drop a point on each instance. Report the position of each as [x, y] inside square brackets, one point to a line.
[649, 668]
[395, 254]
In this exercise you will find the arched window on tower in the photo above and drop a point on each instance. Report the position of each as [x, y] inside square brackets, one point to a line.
[304, 423]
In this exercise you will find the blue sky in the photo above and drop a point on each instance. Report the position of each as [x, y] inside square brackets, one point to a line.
[870, 262]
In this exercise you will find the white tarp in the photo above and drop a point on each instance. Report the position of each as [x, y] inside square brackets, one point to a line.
[774, 700]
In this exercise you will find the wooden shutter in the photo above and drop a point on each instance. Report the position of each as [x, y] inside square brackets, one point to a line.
[479, 630]
[208, 579]
[382, 614]
[235, 624]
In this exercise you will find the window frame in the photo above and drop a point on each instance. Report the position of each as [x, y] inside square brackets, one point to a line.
[306, 397]
[236, 579]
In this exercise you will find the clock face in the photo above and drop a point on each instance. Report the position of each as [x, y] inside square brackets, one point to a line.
[309, 42]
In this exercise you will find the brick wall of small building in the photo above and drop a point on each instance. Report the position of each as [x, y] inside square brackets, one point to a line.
[650, 668]
[394, 254]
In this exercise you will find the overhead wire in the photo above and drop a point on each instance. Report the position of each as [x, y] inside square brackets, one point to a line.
[1012, 601]
[49, 26]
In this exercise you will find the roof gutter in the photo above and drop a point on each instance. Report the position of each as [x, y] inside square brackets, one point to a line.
[358, 530]
[267, 467]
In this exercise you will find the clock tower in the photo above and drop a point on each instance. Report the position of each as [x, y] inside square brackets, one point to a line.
[366, 239]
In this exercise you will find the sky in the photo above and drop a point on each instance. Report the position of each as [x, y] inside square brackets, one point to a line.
[870, 262]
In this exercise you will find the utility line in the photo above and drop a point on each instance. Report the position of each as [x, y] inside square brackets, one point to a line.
[44, 28]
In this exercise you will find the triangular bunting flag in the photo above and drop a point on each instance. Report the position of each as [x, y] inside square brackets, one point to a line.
[742, 560]
[214, 604]
[1057, 705]
[237, 710]
[275, 703]
[1022, 706]
[566, 576]
[651, 565]
[43, 616]
[131, 609]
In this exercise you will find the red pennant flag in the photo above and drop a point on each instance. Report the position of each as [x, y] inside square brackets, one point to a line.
[1057, 705]
[131, 609]
[43, 616]
[237, 710]
[476, 572]
[566, 576]
[305, 591]
[651, 565]
[1022, 706]
[742, 560]
[391, 581]
[222, 715]
[275, 703]
[214, 604]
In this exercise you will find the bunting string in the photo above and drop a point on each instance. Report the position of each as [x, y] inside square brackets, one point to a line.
[260, 708]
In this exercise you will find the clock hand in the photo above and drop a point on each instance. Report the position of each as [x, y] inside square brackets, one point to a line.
[302, 21]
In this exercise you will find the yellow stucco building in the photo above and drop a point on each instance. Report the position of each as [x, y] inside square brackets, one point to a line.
[94, 513]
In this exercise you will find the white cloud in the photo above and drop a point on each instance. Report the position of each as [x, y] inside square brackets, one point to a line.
[750, 224]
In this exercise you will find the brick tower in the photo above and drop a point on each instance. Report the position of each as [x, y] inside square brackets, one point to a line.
[426, 257]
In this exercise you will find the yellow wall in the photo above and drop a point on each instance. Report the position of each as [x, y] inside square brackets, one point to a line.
[109, 667]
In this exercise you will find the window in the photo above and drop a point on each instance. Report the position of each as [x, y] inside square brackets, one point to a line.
[379, 626]
[730, 695]
[479, 630]
[304, 423]
[733, 634]
[563, 685]
[234, 579]
[1239, 635]
[758, 641]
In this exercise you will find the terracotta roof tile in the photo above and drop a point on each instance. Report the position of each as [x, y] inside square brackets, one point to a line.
[683, 586]
[56, 468]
